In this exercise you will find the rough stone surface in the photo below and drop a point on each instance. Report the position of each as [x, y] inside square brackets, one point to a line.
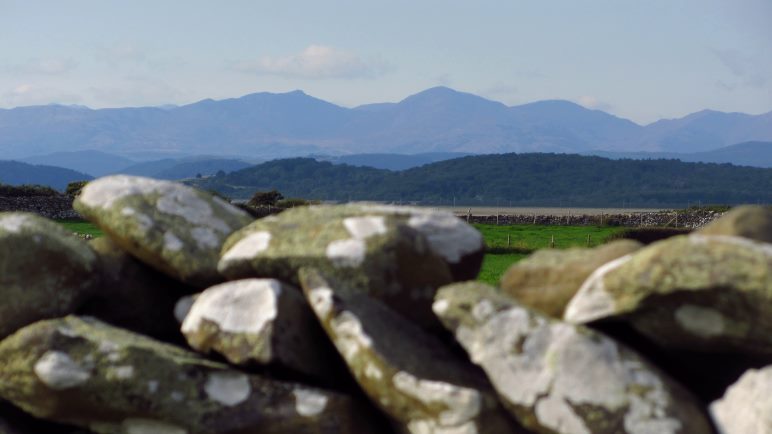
[87, 373]
[260, 321]
[45, 271]
[561, 378]
[171, 227]
[548, 279]
[132, 295]
[696, 292]
[746, 408]
[373, 253]
[407, 373]
[754, 222]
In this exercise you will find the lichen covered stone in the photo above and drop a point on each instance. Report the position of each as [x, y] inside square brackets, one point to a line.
[132, 295]
[45, 271]
[407, 373]
[557, 377]
[169, 226]
[375, 253]
[259, 321]
[749, 221]
[87, 373]
[548, 279]
[696, 292]
[746, 408]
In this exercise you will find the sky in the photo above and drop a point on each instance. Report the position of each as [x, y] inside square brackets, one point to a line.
[641, 60]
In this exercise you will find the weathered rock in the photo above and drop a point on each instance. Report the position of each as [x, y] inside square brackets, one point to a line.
[556, 377]
[132, 295]
[260, 321]
[547, 279]
[409, 374]
[90, 374]
[372, 253]
[171, 227]
[45, 271]
[749, 221]
[696, 292]
[746, 408]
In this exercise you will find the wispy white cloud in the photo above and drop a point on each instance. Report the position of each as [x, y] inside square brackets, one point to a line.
[42, 66]
[592, 102]
[315, 62]
[746, 68]
[25, 94]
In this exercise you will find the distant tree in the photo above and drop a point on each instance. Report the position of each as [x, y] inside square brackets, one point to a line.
[198, 176]
[265, 198]
[73, 189]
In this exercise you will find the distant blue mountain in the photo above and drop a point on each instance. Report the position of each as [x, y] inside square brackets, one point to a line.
[394, 162]
[268, 125]
[94, 163]
[18, 173]
[752, 154]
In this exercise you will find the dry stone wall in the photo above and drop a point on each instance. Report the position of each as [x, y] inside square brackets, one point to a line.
[52, 207]
[190, 317]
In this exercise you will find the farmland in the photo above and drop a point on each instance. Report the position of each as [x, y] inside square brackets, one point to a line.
[523, 239]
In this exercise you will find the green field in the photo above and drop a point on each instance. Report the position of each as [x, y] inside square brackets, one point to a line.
[81, 227]
[523, 239]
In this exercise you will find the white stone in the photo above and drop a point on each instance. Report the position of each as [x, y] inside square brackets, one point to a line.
[461, 404]
[746, 407]
[365, 227]
[701, 321]
[247, 248]
[308, 402]
[123, 372]
[241, 306]
[372, 371]
[182, 307]
[206, 238]
[350, 337]
[591, 300]
[448, 236]
[59, 372]
[347, 253]
[320, 300]
[171, 242]
[14, 223]
[440, 306]
[228, 388]
[149, 426]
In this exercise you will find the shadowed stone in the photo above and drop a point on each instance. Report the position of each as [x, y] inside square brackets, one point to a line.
[547, 279]
[561, 378]
[260, 321]
[696, 292]
[169, 226]
[407, 373]
[374, 253]
[45, 271]
[132, 295]
[746, 408]
[87, 373]
[749, 221]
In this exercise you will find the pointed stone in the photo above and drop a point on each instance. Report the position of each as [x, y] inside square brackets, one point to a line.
[746, 408]
[407, 373]
[696, 292]
[548, 279]
[171, 227]
[556, 377]
[260, 321]
[90, 374]
[375, 253]
[45, 271]
[749, 221]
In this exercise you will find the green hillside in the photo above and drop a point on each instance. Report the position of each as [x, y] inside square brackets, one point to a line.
[511, 179]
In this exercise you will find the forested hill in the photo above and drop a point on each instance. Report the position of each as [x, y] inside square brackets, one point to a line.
[516, 179]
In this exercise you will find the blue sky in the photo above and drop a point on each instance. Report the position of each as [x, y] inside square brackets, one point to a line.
[643, 60]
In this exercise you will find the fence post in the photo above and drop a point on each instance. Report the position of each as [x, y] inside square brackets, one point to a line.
[588, 240]
[508, 241]
[552, 242]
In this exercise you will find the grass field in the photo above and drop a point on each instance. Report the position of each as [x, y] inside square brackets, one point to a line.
[527, 238]
[523, 239]
[81, 227]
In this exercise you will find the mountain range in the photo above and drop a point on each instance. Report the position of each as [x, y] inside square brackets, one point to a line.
[437, 120]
